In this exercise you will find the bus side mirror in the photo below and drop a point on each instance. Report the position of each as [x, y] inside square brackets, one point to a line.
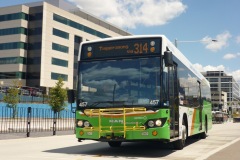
[168, 58]
[71, 99]
[71, 95]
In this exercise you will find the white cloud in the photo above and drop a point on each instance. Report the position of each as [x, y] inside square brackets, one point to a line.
[236, 75]
[221, 42]
[231, 56]
[238, 39]
[200, 68]
[214, 68]
[130, 13]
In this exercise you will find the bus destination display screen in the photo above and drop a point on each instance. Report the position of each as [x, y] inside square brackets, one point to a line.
[121, 48]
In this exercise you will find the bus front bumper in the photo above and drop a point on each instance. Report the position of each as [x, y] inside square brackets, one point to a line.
[159, 133]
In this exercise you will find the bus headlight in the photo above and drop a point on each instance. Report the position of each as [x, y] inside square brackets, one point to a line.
[155, 122]
[86, 124]
[150, 123]
[80, 123]
[158, 123]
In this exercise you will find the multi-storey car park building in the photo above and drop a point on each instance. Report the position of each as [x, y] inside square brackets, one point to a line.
[40, 41]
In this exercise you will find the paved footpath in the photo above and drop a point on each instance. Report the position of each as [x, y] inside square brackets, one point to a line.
[223, 143]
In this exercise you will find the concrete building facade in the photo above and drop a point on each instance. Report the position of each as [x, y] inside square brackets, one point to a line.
[224, 89]
[40, 41]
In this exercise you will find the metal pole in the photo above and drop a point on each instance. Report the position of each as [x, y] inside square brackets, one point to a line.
[54, 123]
[29, 112]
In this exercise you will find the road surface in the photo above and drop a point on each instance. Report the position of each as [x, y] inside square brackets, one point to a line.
[222, 140]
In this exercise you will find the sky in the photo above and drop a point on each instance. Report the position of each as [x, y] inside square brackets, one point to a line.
[192, 24]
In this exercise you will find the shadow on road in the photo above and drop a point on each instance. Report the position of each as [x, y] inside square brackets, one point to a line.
[128, 149]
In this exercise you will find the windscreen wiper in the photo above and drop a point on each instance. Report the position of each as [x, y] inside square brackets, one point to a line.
[144, 106]
[101, 102]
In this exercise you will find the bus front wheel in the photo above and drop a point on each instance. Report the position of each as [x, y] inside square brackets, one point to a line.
[114, 143]
[179, 144]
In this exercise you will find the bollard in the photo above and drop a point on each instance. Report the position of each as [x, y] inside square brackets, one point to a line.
[54, 123]
[29, 112]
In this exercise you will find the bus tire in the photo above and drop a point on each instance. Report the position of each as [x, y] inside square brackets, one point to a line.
[179, 144]
[114, 143]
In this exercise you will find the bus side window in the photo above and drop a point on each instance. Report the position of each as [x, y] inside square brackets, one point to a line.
[196, 95]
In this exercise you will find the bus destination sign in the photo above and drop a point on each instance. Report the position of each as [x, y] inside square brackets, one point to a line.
[121, 48]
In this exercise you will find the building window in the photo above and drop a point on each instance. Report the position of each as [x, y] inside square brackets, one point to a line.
[12, 75]
[213, 79]
[213, 85]
[59, 47]
[60, 33]
[78, 26]
[226, 85]
[12, 60]
[59, 62]
[55, 76]
[13, 45]
[226, 79]
[13, 16]
[10, 31]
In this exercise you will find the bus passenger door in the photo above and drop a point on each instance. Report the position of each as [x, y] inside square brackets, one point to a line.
[201, 105]
[173, 101]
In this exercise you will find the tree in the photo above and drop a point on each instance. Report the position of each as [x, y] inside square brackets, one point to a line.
[58, 96]
[12, 99]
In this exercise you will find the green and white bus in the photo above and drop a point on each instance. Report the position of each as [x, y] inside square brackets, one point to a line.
[139, 88]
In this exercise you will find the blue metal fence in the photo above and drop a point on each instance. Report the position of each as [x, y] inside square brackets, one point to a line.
[30, 119]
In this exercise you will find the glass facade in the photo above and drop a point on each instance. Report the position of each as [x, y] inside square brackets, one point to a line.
[13, 16]
[78, 26]
[13, 45]
[34, 46]
[59, 47]
[55, 76]
[77, 41]
[10, 31]
[12, 60]
[12, 75]
[60, 33]
[35, 31]
[59, 62]
[36, 16]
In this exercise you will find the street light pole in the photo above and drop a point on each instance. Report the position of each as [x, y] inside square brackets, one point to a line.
[177, 41]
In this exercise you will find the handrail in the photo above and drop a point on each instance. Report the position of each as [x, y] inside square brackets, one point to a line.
[114, 111]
